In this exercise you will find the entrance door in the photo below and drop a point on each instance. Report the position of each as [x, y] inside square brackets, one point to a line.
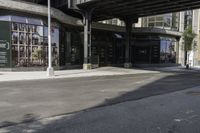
[102, 55]
[119, 53]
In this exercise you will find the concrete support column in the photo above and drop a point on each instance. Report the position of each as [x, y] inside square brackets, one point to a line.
[87, 40]
[128, 23]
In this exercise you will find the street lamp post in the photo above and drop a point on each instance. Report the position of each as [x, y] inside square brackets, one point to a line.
[50, 70]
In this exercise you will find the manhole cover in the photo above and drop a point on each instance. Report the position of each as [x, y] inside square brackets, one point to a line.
[196, 93]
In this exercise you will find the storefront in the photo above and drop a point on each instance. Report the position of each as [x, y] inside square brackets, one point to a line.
[27, 38]
[148, 49]
[24, 44]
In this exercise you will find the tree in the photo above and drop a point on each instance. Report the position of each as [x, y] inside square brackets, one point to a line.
[38, 55]
[188, 37]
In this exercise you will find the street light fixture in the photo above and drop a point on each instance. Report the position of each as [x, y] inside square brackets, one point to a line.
[50, 70]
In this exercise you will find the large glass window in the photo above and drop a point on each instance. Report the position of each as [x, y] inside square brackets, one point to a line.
[5, 18]
[30, 42]
[167, 50]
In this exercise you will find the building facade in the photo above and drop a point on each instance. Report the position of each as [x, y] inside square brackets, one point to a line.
[155, 40]
[175, 22]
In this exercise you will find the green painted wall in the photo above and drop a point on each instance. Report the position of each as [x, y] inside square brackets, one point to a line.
[5, 46]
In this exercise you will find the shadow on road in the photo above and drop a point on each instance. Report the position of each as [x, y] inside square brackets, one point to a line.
[165, 85]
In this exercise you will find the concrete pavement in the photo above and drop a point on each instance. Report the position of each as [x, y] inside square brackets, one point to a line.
[177, 112]
[40, 104]
[106, 71]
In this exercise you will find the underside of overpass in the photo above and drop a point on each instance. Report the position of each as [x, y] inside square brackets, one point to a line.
[127, 10]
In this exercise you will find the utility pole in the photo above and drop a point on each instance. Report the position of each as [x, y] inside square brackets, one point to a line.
[50, 70]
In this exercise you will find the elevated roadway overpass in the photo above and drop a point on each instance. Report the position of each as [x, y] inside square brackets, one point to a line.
[103, 9]
[127, 10]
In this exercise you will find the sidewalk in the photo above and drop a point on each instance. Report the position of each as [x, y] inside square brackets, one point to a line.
[105, 71]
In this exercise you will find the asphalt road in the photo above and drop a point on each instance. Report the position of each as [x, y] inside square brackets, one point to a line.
[143, 103]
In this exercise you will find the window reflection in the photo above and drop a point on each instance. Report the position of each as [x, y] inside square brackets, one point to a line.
[18, 19]
[5, 18]
[167, 51]
[30, 43]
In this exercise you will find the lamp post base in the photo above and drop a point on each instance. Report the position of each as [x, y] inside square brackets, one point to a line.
[87, 66]
[128, 65]
[50, 72]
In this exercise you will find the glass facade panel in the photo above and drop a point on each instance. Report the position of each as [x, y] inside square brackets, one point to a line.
[5, 18]
[35, 21]
[18, 19]
[159, 24]
[30, 43]
[167, 51]
[188, 19]
[55, 45]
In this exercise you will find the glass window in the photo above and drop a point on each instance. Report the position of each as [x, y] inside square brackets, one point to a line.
[55, 43]
[14, 38]
[15, 26]
[159, 24]
[159, 18]
[5, 18]
[46, 31]
[30, 43]
[18, 19]
[35, 21]
[188, 19]
[151, 19]
[163, 21]
[167, 50]
[151, 25]
[39, 31]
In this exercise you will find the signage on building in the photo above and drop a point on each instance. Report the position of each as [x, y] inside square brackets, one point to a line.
[5, 49]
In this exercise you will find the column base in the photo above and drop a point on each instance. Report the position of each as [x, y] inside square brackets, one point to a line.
[128, 65]
[50, 72]
[87, 66]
